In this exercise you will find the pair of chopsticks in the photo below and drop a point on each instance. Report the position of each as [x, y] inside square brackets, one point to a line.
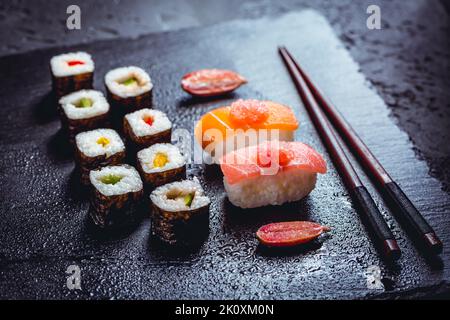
[323, 114]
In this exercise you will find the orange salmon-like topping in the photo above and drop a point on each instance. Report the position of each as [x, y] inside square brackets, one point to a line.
[265, 155]
[268, 115]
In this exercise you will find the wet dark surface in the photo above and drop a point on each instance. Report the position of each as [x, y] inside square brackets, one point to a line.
[407, 62]
[45, 227]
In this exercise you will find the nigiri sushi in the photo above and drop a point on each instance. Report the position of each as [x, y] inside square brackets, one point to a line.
[271, 173]
[244, 123]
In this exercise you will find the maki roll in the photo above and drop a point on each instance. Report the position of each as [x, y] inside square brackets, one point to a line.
[180, 213]
[129, 89]
[116, 194]
[146, 127]
[97, 148]
[83, 110]
[160, 164]
[71, 72]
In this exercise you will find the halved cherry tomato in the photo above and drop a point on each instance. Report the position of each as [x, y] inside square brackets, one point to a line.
[291, 233]
[211, 82]
[74, 63]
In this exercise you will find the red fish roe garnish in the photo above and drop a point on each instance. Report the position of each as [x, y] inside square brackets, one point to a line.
[148, 120]
[75, 63]
[248, 112]
[265, 154]
[286, 234]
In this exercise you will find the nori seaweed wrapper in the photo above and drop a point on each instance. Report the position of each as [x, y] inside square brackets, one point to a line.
[74, 126]
[65, 85]
[137, 143]
[156, 179]
[121, 106]
[85, 164]
[107, 211]
[181, 228]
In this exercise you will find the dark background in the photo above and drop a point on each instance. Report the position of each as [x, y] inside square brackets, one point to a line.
[408, 61]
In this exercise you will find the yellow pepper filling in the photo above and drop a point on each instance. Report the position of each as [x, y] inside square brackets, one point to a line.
[160, 160]
[103, 141]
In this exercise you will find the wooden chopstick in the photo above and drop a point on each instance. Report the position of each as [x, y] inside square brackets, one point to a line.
[384, 239]
[414, 223]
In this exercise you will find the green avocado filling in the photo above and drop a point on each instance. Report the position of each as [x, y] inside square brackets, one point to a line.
[84, 103]
[110, 179]
[129, 82]
[188, 199]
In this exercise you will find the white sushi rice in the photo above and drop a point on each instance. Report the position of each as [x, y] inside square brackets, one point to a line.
[141, 129]
[286, 186]
[115, 77]
[87, 144]
[174, 157]
[161, 196]
[60, 67]
[130, 182]
[69, 104]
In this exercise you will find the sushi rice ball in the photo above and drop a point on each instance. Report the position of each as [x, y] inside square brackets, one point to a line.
[117, 191]
[71, 72]
[146, 127]
[83, 110]
[97, 148]
[161, 163]
[180, 214]
[129, 89]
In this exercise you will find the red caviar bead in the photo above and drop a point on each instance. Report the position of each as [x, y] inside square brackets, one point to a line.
[248, 112]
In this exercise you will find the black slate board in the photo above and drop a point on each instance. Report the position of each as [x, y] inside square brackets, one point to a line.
[45, 227]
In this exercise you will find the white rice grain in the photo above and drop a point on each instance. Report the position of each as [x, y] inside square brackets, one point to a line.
[115, 77]
[69, 104]
[60, 67]
[86, 143]
[141, 129]
[286, 186]
[161, 196]
[147, 156]
[130, 182]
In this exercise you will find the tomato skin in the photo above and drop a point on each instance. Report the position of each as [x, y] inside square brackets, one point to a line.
[211, 82]
[288, 234]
